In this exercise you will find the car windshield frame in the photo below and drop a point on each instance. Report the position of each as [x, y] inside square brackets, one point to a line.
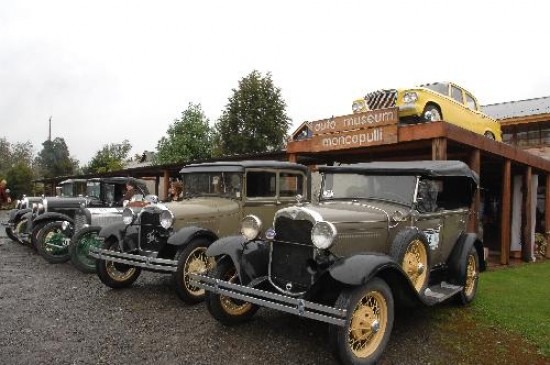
[67, 190]
[213, 184]
[93, 187]
[356, 186]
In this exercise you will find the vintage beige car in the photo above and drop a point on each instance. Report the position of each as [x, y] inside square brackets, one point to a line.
[173, 237]
[382, 234]
[433, 102]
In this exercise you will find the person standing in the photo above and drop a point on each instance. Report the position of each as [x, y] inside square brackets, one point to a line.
[4, 194]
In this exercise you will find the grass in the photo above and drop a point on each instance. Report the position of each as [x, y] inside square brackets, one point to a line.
[518, 300]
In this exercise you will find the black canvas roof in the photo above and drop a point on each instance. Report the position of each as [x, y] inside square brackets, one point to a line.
[430, 168]
[123, 180]
[240, 166]
[68, 181]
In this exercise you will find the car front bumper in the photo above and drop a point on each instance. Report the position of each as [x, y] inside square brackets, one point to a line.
[284, 303]
[146, 262]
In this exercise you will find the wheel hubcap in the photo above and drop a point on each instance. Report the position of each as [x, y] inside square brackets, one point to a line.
[55, 243]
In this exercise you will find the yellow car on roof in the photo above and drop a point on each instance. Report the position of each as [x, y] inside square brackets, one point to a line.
[433, 102]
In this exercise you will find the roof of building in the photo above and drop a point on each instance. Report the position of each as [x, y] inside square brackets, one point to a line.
[240, 166]
[519, 108]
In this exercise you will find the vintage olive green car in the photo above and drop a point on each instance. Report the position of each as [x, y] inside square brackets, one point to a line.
[173, 237]
[382, 234]
[433, 102]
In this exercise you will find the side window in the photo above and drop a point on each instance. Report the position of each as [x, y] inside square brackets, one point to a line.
[456, 94]
[260, 184]
[290, 184]
[470, 102]
[427, 197]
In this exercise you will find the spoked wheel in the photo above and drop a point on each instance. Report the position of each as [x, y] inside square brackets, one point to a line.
[192, 259]
[368, 326]
[52, 243]
[11, 235]
[20, 227]
[471, 278]
[114, 274]
[410, 250]
[227, 310]
[79, 249]
[35, 232]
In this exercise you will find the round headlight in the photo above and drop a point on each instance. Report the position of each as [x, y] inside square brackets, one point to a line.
[128, 216]
[34, 207]
[323, 234]
[251, 227]
[410, 97]
[40, 207]
[166, 219]
[358, 106]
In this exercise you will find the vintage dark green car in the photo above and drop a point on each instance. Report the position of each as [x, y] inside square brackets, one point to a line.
[382, 234]
[173, 237]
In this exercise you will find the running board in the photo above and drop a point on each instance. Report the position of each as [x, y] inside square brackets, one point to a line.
[440, 292]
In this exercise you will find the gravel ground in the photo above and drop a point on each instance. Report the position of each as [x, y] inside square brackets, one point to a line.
[53, 314]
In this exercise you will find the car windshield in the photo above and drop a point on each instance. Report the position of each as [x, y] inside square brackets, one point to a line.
[93, 189]
[438, 87]
[398, 189]
[222, 184]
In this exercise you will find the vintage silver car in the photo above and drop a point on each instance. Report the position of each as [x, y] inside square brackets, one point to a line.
[381, 234]
[173, 237]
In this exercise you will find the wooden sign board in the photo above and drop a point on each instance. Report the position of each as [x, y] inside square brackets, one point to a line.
[351, 122]
[383, 134]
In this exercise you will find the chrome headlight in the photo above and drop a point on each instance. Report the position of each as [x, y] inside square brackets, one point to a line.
[251, 227]
[128, 216]
[34, 207]
[41, 208]
[410, 97]
[323, 234]
[358, 106]
[166, 219]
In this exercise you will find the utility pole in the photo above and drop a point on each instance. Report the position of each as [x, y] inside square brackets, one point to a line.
[50, 130]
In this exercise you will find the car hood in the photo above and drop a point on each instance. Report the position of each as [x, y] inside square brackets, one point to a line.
[200, 208]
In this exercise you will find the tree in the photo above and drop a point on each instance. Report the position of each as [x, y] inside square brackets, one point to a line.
[20, 177]
[109, 158]
[255, 118]
[55, 160]
[16, 166]
[188, 139]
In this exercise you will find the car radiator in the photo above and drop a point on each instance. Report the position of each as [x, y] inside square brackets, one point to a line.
[381, 99]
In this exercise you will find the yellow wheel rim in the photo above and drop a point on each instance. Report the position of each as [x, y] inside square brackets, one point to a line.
[117, 274]
[368, 324]
[230, 306]
[197, 263]
[471, 276]
[415, 263]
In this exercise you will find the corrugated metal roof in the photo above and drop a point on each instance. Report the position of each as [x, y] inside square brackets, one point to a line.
[520, 108]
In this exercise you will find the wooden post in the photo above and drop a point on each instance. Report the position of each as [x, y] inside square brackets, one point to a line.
[166, 183]
[292, 157]
[527, 242]
[505, 213]
[547, 214]
[157, 183]
[475, 165]
[439, 149]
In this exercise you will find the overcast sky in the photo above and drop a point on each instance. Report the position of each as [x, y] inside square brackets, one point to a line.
[113, 70]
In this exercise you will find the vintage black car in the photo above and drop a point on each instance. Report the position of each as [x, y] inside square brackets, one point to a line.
[54, 223]
[173, 237]
[20, 224]
[382, 234]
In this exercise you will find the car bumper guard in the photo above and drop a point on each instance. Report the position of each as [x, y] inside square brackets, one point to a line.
[299, 307]
[146, 262]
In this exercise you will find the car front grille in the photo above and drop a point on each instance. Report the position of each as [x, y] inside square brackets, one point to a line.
[149, 235]
[291, 253]
[80, 220]
[381, 99]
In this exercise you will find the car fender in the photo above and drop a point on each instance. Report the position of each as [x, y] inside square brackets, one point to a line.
[52, 216]
[359, 269]
[457, 259]
[27, 216]
[250, 258]
[185, 235]
[117, 231]
[17, 214]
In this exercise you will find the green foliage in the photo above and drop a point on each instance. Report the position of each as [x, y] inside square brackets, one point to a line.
[16, 166]
[55, 160]
[254, 120]
[19, 178]
[517, 300]
[188, 139]
[109, 158]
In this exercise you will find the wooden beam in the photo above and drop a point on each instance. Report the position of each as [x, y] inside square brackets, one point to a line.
[505, 213]
[475, 165]
[439, 149]
[527, 242]
[166, 183]
[547, 214]
[292, 157]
